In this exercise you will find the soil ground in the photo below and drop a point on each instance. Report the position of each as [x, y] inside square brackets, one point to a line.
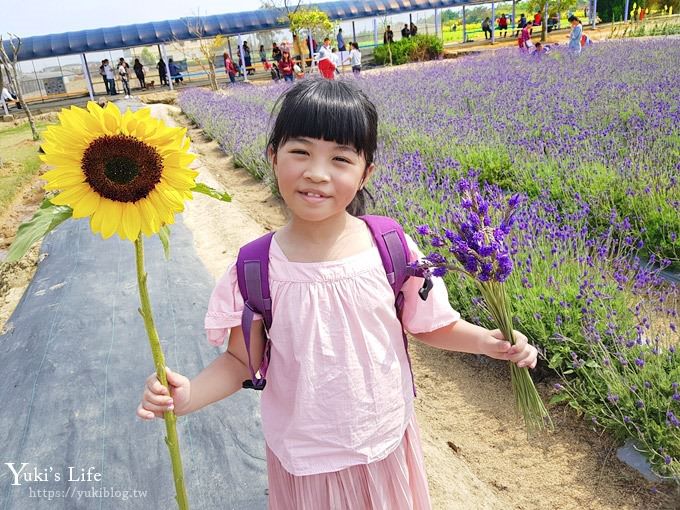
[477, 455]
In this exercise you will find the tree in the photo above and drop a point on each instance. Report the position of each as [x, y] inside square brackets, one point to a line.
[285, 7]
[312, 19]
[148, 58]
[549, 7]
[207, 46]
[10, 66]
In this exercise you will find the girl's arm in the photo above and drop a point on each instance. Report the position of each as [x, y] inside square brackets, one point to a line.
[222, 378]
[463, 336]
[225, 376]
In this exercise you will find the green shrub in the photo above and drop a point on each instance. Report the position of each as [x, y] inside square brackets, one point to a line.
[412, 49]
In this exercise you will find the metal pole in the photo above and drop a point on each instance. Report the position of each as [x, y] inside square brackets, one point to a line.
[594, 13]
[310, 42]
[493, 22]
[167, 66]
[437, 22]
[625, 12]
[513, 17]
[354, 33]
[375, 31]
[464, 27]
[243, 58]
[88, 79]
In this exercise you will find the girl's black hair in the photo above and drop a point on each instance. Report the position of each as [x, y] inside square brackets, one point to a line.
[332, 110]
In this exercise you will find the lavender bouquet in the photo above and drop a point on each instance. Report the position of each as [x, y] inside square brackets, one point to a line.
[476, 247]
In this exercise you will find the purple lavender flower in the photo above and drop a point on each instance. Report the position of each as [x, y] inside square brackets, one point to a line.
[423, 230]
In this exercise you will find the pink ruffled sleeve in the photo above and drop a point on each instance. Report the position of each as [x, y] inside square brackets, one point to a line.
[224, 308]
[423, 316]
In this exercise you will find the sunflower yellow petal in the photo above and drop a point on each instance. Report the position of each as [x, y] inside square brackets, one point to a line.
[131, 222]
[65, 180]
[178, 181]
[165, 213]
[97, 218]
[151, 223]
[86, 206]
[89, 121]
[72, 195]
[112, 215]
[180, 159]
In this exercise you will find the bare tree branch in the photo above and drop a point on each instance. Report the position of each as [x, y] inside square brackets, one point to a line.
[10, 65]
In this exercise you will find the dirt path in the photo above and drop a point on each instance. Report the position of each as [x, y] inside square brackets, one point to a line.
[476, 456]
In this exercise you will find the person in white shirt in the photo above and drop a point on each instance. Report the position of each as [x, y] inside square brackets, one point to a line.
[355, 58]
[326, 62]
[123, 73]
[110, 77]
[337, 61]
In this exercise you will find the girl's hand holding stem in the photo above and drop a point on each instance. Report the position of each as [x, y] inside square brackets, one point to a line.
[157, 399]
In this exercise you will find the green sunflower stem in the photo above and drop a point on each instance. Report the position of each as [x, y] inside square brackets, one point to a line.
[159, 361]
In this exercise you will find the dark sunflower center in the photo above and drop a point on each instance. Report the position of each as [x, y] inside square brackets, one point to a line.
[121, 170]
[121, 167]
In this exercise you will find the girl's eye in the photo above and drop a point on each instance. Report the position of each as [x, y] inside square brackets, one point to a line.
[343, 160]
[298, 151]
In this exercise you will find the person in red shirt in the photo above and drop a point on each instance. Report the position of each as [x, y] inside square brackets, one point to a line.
[286, 67]
[326, 65]
[229, 67]
[537, 21]
[503, 25]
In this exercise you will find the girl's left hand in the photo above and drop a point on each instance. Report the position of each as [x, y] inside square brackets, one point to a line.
[522, 353]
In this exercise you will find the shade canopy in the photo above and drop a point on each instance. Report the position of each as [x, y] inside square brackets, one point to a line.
[156, 32]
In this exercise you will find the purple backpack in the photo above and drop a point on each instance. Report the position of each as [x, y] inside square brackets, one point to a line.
[252, 269]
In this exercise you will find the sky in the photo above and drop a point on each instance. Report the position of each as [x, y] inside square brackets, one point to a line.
[42, 17]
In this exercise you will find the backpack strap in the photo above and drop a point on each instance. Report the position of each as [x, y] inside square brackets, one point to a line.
[395, 255]
[252, 270]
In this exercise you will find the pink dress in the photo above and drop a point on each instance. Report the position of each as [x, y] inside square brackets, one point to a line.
[337, 411]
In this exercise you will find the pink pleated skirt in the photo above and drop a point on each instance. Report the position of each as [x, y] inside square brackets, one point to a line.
[398, 482]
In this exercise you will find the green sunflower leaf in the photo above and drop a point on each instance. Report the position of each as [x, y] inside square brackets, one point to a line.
[164, 236]
[212, 192]
[46, 219]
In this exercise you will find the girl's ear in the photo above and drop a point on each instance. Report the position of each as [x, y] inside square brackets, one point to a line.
[271, 157]
[367, 175]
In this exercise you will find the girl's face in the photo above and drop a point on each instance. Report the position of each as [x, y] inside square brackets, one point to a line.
[318, 179]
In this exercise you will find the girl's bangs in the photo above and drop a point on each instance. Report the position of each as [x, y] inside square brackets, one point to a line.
[332, 111]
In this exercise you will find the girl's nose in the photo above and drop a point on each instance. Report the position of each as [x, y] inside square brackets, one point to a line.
[316, 173]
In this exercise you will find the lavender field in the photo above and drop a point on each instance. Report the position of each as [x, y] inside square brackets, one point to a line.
[592, 145]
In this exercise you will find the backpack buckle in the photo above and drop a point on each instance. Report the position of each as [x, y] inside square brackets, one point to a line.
[259, 384]
[426, 288]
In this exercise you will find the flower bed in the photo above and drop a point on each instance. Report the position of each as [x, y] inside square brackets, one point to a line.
[593, 145]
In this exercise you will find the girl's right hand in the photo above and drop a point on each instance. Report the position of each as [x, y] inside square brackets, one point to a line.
[156, 399]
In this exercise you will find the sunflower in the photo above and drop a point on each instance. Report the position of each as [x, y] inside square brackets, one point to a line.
[126, 172]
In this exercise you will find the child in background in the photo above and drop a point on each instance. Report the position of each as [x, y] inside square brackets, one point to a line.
[337, 410]
[355, 59]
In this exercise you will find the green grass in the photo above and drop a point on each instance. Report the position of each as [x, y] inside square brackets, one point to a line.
[19, 162]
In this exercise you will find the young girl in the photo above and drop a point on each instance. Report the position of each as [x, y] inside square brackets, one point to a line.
[355, 58]
[337, 410]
